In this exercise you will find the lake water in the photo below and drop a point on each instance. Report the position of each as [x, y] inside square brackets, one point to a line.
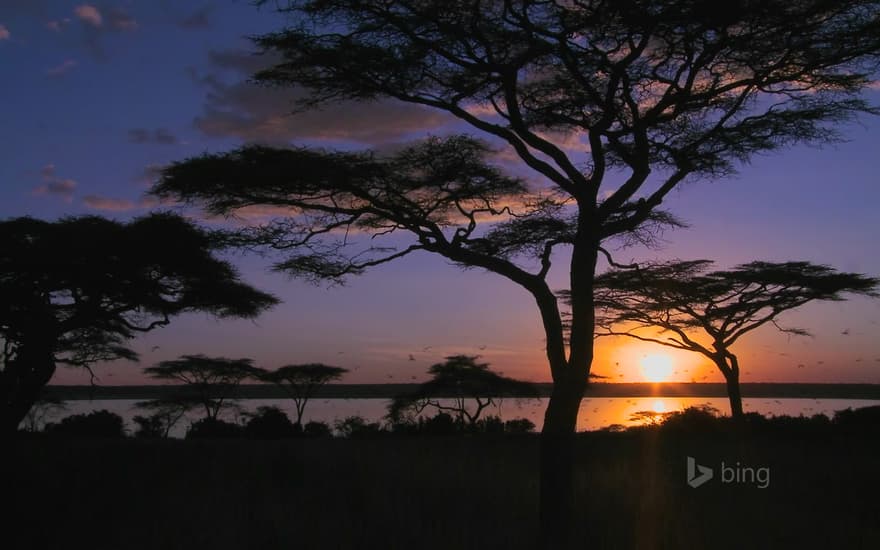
[595, 413]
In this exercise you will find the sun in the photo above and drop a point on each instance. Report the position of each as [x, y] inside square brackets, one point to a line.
[656, 367]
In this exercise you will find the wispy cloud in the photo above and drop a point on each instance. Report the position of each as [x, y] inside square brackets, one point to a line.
[58, 24]
[97, 202]
[97, 23]
[161, 136]
[197, 20]
[4, 32]
[53, 185]
[110, 204]
[120, 20]
[61, 69]
[89, 14]
[255, 113]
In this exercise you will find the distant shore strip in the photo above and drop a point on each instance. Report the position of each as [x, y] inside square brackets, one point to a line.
[388, 391]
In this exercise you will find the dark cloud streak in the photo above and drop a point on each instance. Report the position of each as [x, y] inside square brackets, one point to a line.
[159, 136]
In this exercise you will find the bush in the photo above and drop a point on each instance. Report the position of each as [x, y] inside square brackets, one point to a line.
[209, 428]
[440, 424]
[317, 429]
[489, 425]
[101, 423]
[149, 427]
[865, 418]
[270, 423]
[356, 426]
[519, 426]
[692, 419]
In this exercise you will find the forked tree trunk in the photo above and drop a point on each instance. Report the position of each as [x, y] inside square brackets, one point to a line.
[557, 505]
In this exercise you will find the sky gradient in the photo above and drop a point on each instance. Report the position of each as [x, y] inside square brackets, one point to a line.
[97, 95]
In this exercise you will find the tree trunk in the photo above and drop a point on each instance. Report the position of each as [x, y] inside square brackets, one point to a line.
[21, 384]
[557, 464]
[569, 382]
[734, 395]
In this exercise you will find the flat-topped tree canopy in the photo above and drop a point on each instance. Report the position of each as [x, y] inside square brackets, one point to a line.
[75, 291]
[707, 312]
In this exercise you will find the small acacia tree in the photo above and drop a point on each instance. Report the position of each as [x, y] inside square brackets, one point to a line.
[658, 91]
[73, 292]
[300, 382]
[456, 381]
[707, 312]
[209, 382]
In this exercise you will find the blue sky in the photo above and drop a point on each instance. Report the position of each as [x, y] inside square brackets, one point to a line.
[97, 95]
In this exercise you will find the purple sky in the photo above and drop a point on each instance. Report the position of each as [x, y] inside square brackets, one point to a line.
[96, 95]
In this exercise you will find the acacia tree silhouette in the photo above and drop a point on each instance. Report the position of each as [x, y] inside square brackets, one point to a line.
[74, 291]
[661, 90]
[300, 382]
[460, 378]
[208, 382]
[683, 298]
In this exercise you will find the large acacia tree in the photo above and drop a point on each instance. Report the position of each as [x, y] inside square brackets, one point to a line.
[659, 91]
[453, 384]
[208, 383]
[707, 312]
[301, 382]
[75, 291]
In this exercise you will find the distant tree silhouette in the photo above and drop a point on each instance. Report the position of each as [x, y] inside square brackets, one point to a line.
[45, 407]
[73, 292]
[270, 423]
[357, 426]
[103, 424]
[456, 382]
[707, 312]
[300, 382]
[209, 382]
[213, 428]
[164, 414]
[611, 105]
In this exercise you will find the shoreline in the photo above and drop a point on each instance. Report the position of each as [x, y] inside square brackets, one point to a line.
[779, 390]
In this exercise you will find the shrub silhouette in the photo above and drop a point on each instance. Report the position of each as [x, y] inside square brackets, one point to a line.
[317, 429]
[865, 418]
[519, 426]
[356, 426]
[270, 423]
[212, 428]
[101, 423]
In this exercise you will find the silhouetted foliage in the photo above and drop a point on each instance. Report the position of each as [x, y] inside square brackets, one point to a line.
[662, 91]
[40, 413]
[210, 382]
[165, 413]
[150, 427]
[865, 419]
[357, 426]
[213, 428]
[73, 292]
[270, 423]
[519, 426]
[317, 429]
[709, 311]
[300, 382]
[101, 424]
[453, 383]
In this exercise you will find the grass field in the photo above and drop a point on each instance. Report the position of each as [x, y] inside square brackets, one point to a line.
[441, 493]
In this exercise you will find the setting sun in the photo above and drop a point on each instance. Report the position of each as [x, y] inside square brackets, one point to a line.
[656, 367]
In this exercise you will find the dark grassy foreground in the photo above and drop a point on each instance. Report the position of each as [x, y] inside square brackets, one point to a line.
[441, 492]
